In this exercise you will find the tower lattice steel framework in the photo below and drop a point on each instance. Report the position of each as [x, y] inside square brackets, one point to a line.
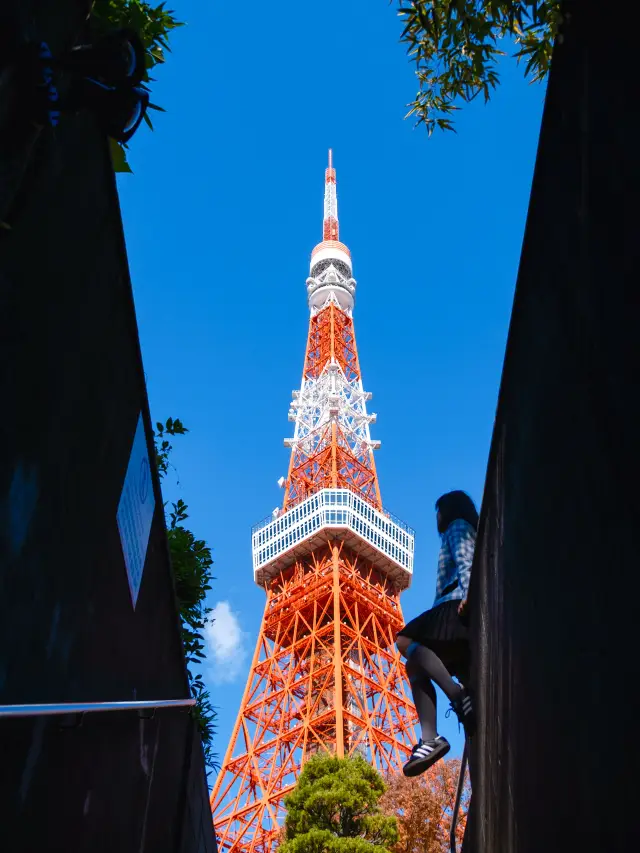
[325, 674]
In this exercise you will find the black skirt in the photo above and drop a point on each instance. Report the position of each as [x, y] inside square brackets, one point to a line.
[441, 630]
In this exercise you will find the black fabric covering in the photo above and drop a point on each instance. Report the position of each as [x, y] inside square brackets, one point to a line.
[556, 577]
[72, 389]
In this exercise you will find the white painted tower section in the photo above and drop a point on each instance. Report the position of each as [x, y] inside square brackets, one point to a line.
[332, 397]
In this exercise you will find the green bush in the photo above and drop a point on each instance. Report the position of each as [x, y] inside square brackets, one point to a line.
[334, 808]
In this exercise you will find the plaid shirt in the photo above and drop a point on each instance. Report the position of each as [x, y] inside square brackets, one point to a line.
[454, 562]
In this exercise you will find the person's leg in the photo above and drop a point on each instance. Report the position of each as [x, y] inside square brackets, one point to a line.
[424, 698]
[428, 661]
[431, 747]
[462, 668]
[455, 657]
[433, 668]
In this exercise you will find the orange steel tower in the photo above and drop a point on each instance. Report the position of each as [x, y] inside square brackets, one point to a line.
[325, 673]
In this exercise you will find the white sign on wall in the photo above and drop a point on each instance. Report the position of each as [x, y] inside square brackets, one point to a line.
[135, 511]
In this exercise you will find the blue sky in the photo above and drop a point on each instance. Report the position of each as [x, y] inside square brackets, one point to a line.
[220, 217]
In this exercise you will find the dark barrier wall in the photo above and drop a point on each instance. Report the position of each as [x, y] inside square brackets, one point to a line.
[556, 579]
[115, 782]
[72, 389]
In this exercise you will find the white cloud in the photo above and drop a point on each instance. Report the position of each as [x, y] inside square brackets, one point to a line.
[226, 644]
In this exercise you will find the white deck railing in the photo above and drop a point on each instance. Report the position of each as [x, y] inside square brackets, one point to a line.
[334, 509]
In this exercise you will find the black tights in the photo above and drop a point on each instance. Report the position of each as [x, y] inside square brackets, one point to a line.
[424, 666]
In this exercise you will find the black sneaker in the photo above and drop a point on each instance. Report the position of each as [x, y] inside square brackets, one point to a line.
[425, 754]
[463, 708]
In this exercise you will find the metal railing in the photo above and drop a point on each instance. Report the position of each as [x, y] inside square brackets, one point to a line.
[384, 511]
[91, 707]
[456, 808]
[332, 508]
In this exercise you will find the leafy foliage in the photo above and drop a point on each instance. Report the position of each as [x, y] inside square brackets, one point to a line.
[454, 44]
[153, 24]
[163, 445]
[334, 809]
[191, 562]
[424, 808]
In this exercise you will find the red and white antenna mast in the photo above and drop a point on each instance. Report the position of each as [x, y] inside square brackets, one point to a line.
[330, 227]
[331, 445]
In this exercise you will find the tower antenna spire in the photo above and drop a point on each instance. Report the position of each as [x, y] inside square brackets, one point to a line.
[330, 226]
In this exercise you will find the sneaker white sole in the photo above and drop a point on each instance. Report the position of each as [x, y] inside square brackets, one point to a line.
[421, 765]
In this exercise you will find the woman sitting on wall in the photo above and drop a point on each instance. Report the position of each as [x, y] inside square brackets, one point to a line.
[436, 643]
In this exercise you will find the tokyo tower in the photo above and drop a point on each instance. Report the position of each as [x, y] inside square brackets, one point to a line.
[325, 673]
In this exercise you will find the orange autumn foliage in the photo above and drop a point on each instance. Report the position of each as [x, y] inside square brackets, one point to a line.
[424, 808]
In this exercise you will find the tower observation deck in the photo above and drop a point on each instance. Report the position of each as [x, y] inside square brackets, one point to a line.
[325, 673]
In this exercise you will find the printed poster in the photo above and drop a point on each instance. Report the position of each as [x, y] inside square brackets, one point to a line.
[135, 511]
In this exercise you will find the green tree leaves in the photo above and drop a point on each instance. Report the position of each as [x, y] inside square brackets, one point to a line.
[163, 446]
[455, 46]
[154, 25]
[334, 809]
[191, 562]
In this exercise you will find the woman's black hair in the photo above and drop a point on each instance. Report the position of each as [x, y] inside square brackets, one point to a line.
[456, 505]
